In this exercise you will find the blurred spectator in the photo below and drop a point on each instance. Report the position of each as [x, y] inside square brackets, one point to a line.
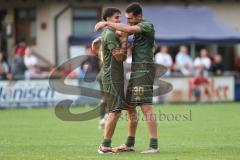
[4, 69]
[18, 66]
[30, 62]
[164, 58]
[93, 60]
[90, 67]
[68, 71]
[203, 62]
[201, 87]
[86, 72]
[237, 64]
[21, 46]
[129, 54]
[129, 58]
[184, 62]
[128, 64]
[217, 65]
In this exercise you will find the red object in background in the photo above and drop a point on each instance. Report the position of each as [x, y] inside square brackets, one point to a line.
[200, 80]
[66, 72]
[237, 64]
[20, 51]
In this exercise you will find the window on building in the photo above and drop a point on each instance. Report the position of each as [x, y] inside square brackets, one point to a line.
[26, 25]
[84, 20]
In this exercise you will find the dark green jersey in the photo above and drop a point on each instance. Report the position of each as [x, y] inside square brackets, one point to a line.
[112, 70]
[140, 86]
[144, 43]
[100, 57]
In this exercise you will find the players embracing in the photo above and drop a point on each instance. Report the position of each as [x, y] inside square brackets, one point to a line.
[140, 86]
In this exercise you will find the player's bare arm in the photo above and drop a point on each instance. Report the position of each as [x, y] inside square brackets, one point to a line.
[118, 26]
[95, 43]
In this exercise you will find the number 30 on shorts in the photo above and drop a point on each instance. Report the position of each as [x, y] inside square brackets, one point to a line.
[138, 90]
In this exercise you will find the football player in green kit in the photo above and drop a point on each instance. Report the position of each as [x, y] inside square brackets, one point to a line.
[140, 87]
[113, 53]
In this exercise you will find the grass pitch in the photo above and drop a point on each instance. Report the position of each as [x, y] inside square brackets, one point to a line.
[187, 132]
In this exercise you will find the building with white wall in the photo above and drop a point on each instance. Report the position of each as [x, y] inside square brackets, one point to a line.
[47, 25]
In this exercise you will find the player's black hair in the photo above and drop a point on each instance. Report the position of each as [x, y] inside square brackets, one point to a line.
[134, 8]
[109, 12]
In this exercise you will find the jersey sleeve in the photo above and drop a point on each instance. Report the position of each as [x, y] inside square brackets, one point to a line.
[145, 27]
[111, 41]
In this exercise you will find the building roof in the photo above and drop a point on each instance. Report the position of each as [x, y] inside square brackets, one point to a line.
[178, 25]
[187, 25]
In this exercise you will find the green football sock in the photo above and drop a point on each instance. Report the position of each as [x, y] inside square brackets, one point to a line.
[130, 141]
[106, 142]
[153, 143]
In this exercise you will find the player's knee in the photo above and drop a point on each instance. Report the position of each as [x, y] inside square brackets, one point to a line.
[114, 115]
[117, 113]
[132, 114]
[132, 110]
[146, 108]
